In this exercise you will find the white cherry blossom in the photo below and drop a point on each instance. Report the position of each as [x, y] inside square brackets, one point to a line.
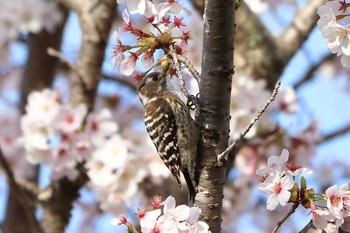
[278, 189]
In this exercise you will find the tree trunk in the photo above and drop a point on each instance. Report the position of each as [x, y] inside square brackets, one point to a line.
[96, 22]
[215, 95]
[38, 74]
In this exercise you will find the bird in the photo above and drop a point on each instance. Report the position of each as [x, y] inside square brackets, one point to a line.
[171, 128]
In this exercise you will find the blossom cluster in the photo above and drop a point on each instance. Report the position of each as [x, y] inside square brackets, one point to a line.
[168, 30]
[11, 149]
[62, 135]
[334, 26]
[171, 218]
[24, 16]
[337, 208]
[278, 181]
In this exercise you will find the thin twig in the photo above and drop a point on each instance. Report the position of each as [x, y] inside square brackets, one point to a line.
[179, 72]
[291, 211]
[189, 66]
[20, 196]
[119, 80]
[55, 53]
[223, 156]
[334, 134]
[312, 69]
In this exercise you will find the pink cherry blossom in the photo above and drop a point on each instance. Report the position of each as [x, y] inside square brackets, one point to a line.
[43, 106]
[320, 217]
[71, 118]
[120, 220]
[294, 169]
[128, 65]
[157, 202]
[117, 52]
[142, 7]
[147, 59]
[171, 6]
[100, 126]
[333, 25]
[278, 163]
[178, 213]
[286, 101]
[278, 190]
[327, 14]
[335, 200]
[195, 226]
[148, 220]
[275, 164]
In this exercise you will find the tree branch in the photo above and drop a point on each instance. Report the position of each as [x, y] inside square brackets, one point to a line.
[179, 72]
[55, 53]
[337, 133]
[70, 4]
[121, 80]
[222, 157]
[27, 205]
[96, 21]
[294, 35]
[279, 223]
[309, 74]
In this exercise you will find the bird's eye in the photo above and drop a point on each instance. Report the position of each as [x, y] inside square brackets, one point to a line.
[155, 78]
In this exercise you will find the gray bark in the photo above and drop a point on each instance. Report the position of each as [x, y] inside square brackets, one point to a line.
[215, 95]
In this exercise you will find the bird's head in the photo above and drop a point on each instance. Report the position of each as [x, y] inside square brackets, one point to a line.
[153, 84]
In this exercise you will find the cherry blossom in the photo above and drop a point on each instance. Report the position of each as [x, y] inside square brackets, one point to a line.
[278, 190]
[172, 218]
[43, 107]
[55, 133]
[192, 221]
[10, 146]
[142, 7]
[147, 59]
[71, 118]
[128, 65]
[327, 14]
[21, 17]
[119, 220]
[294, 169]
[286, 101]
[148, 219]
[246, 161]
[278, 162]
[335, 200]
[333, 26]
[275, 164]
[99, 126]
[107, 163]
[161, 35]
[171, 6]
[320, 217]
[117, 52]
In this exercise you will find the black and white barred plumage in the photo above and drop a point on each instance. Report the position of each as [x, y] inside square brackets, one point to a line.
[171, 128]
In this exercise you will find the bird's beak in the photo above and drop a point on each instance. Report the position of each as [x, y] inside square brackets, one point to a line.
[141, 84]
